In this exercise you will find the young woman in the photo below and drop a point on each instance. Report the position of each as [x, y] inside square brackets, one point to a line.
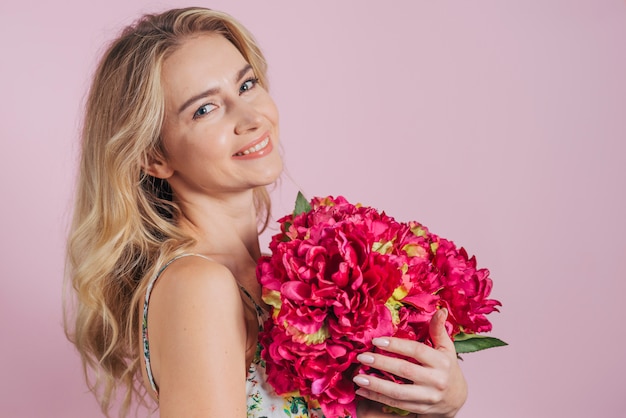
[180, 139]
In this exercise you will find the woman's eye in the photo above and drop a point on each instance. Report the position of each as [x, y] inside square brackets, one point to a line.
[248, 85]
[207, 108]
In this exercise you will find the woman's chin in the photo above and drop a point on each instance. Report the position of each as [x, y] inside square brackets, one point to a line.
[272, 171]
[270, 176]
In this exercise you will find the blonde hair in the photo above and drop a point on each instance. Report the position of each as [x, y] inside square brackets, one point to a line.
[124, 221]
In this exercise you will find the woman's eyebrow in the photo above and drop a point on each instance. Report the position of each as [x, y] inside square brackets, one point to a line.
[198, 96]
[243, 72]
[240, 74]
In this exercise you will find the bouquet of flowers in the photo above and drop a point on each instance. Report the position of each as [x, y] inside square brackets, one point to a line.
[341, 274]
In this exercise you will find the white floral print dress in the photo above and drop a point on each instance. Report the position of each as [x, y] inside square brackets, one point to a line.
[262, 400]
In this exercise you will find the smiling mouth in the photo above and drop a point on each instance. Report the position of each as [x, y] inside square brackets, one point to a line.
[256, 148]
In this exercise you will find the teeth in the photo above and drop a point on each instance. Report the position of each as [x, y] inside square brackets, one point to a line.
[257, 147]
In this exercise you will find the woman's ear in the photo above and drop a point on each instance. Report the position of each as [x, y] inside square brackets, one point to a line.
[157, 166]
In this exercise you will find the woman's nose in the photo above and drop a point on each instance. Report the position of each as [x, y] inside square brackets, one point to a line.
[248, 117]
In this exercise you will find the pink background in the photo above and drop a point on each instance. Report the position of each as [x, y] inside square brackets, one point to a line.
[499, 124]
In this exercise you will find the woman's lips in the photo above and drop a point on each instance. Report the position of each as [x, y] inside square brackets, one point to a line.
[255, 149]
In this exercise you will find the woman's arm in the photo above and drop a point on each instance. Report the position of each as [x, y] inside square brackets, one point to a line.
[197, 341]
[439, 388]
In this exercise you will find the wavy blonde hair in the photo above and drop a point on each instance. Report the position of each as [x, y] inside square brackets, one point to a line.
[124, 222]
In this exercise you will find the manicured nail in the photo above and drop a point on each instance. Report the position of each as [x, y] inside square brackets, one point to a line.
[360, 380]
[380, 342]
[365, 358]
[363, 392]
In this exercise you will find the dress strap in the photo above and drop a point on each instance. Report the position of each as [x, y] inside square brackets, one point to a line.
[260, 312]
[144, 322]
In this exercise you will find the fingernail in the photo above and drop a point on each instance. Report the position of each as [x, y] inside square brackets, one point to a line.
[365, 358]
[360, 380]
[444, 312]
[363, 392]
[380, 342]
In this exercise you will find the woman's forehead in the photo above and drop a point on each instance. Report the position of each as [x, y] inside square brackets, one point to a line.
[201, 63]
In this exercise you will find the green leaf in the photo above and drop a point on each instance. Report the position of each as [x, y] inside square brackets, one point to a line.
[468, 343]
[302, 205]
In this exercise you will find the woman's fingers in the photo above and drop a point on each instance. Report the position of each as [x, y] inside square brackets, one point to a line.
[441, 357]
[438, 383]
[439, 334]
[423, 354]
[432, 372]
[404, 396]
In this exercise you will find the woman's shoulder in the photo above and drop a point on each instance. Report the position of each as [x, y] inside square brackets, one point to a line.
[195, 276]
[195, 311]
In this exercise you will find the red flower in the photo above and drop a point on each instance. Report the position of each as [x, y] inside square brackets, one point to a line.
[340, 275]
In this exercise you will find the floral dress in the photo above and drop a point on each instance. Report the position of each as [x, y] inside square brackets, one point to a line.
[262, 400]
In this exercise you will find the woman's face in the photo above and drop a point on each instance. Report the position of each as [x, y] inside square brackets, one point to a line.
[220, 131]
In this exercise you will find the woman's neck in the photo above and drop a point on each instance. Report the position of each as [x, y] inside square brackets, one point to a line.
[224, 228]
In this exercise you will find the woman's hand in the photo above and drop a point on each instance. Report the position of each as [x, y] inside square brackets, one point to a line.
[439, 388]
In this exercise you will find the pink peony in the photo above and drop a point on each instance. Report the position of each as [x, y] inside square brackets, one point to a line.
[342, 274]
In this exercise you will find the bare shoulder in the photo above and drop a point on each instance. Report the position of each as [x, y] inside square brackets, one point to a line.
[194, 287]
[197, 336]
[195, 273]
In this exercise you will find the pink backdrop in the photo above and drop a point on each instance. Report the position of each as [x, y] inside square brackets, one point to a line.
[499, 124]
